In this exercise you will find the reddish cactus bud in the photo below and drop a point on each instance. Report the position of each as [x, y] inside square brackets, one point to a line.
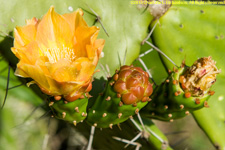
[133, 85]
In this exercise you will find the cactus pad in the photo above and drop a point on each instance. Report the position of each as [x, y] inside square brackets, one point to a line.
[74, 112]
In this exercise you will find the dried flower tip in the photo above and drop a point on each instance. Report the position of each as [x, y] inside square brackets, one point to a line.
[199, 78]
[156, 9]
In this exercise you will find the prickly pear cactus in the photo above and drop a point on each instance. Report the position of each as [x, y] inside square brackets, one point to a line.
[125, 95]
[124, 26]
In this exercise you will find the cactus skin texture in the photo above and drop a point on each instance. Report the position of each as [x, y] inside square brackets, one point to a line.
[125, 94]
[74, 112]
[185, 90]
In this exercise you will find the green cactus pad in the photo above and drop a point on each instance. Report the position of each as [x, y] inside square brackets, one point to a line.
[74, 112]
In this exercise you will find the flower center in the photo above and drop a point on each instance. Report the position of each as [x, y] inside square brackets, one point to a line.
[55, 54]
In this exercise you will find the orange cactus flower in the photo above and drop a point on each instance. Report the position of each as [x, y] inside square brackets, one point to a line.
[59, 52]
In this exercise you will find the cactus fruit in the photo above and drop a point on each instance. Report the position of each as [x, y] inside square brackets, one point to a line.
[125, 94]
[186, 89]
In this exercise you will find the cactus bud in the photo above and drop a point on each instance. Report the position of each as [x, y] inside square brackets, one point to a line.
[133, 85]
[185, 90]
[126, 93]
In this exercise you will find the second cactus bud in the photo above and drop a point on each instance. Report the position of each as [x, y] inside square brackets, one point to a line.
[125, 94]
[132, 84]
[185, 90]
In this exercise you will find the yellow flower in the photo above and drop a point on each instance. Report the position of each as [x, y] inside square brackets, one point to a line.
[59, 52]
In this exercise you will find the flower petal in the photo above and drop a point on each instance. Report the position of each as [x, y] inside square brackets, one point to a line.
[29, 53]
[43, 81]
[52, 30]
[61, 71]
[99, 44]
[24, 35]
[83, 36]
[73, 18]
[79, 20]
